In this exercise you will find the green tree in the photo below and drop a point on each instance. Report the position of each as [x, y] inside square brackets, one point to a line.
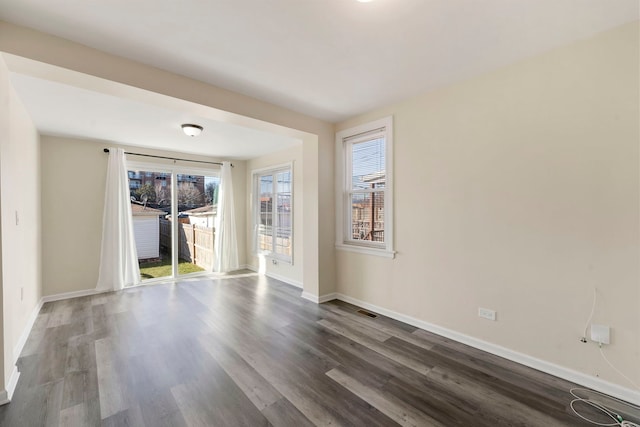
[146, 193]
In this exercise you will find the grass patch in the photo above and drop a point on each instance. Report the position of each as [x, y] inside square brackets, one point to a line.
[153, 270]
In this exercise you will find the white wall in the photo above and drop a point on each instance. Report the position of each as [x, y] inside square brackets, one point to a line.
[519, 191]
[73, 182]
[290, 273]
[20, 222]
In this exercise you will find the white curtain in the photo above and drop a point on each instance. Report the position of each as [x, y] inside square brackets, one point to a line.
[118, 258]
[226, 244]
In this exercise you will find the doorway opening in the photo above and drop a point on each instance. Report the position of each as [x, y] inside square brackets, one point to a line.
[174, 212]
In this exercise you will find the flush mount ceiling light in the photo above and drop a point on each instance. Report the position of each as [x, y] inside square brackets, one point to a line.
[191, 129]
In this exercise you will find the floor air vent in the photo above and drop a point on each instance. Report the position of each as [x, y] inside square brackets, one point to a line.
[366, 313]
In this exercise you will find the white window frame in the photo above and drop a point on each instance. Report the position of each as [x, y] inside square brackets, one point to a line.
[344, 140]
[255, 175]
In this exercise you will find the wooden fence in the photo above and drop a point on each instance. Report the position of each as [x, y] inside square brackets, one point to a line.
[195, 242]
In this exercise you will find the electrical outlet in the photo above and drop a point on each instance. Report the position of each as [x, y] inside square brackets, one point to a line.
[485, 313]
[600, 334]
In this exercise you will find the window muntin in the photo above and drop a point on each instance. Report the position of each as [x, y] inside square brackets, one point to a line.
[274, 213]
[265, 224]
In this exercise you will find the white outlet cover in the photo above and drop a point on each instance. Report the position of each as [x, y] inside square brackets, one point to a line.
[486, 313]
[600, 334]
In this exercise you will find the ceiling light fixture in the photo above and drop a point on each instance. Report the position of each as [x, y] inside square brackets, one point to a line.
[191, 129]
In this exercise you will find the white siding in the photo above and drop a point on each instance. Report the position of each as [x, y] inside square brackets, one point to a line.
[147, 233]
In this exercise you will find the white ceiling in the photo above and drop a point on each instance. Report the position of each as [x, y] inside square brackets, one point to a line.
[331, 59]
[66, 110]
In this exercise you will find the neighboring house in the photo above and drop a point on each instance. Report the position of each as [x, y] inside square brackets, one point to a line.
[146, 228]
[369, 211]
[203, 216]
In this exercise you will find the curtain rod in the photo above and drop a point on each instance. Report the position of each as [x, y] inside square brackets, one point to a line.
[106, 150]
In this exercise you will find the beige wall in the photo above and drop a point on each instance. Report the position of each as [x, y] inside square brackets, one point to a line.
[518, 191]
[73, 182]
[317, 136]
[20, 195]
[292, 273]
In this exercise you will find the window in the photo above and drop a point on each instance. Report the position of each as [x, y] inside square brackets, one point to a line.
[273, 212]
[364, 198]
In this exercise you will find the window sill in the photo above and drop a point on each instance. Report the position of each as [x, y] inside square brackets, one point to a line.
[367, 251]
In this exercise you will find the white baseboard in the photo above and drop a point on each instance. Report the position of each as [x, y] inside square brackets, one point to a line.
[327, 297]
[6, 395]
[319, 300]
[26, 331]
[13, 382]
[598, 384]
[310, 297]
[74, 294]
[287, 280]
[284, 279]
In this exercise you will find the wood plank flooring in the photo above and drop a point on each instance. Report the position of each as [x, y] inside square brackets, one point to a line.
[248, 351]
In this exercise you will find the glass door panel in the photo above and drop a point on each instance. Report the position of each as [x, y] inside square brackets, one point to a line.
[197, 198]
[151, 200]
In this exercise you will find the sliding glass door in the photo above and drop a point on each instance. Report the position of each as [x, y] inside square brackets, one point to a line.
[174, 212]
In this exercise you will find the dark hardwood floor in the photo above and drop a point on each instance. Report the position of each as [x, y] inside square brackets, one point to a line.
[248, 351]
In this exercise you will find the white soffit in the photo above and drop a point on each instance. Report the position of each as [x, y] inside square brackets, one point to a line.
[330, 59]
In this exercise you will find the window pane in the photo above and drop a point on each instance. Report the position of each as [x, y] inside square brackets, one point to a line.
[191, 192]
[151, 226]
[284, 182]
[367, 216]
[265, 209]
[197, 208]
[368, 164]
[274, 214]
[283, 209]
